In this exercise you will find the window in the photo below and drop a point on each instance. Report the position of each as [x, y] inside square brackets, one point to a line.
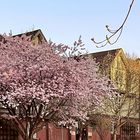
[7, 132]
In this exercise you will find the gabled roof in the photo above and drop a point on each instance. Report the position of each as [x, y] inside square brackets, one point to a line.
[99, 56]
[32, 34]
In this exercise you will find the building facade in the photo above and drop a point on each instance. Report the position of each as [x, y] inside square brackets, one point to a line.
[115, 65]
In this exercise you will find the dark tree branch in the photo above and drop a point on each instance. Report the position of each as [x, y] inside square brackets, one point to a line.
[114, 32]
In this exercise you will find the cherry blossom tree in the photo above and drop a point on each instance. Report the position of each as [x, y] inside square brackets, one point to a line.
[38, 84]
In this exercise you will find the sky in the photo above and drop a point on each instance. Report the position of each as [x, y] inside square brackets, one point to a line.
[63, 21]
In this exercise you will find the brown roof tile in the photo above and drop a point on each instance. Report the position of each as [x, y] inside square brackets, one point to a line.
[99, 56]
[31, 33]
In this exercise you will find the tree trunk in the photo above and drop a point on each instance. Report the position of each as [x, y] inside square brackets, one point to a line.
[114, 136]
[28, 139]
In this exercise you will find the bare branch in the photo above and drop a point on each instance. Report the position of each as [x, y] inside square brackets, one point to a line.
[113, 33]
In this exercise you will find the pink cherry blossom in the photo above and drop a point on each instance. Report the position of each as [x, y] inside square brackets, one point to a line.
[39, 83]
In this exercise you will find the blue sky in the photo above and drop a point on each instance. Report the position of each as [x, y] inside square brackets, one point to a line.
[63, 21]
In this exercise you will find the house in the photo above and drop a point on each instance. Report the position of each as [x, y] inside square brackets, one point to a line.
[124, 72]
[36, 36]
[8, 131]
[112, 63]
